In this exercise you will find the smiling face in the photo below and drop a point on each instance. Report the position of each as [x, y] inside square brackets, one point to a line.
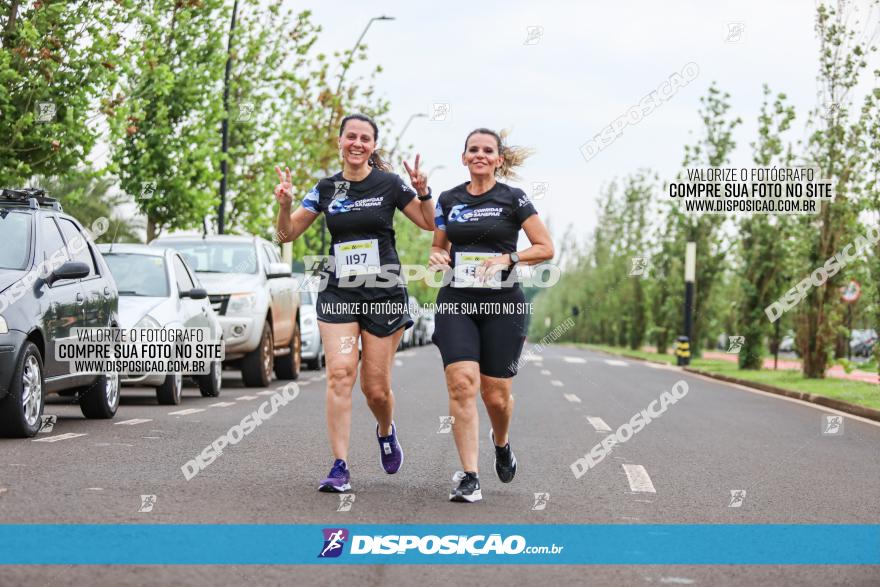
[481, 155]
[357, 142]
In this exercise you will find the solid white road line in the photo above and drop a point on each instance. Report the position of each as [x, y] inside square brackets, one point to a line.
[556, 383]
[133, 421]
[58, 437]
[598, 424]
[638, 478]
[186, 412]
[616, 363]
[574, 359]
[572, 398]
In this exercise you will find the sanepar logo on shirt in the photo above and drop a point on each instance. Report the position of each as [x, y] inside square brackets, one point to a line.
[461, 213]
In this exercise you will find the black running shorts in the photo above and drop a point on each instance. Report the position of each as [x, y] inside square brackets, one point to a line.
[485, 326]
[379, 316]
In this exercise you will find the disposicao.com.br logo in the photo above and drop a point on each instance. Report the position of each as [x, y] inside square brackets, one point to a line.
[431, 544]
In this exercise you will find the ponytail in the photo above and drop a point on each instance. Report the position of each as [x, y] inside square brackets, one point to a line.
[513, 156]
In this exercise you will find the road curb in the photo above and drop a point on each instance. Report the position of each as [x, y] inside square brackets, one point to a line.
[821, 400]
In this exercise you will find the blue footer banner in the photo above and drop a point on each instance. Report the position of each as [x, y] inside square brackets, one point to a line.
[282, 544]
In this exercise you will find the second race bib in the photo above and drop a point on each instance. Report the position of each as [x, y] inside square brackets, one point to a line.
[466, 274]
[356, 257]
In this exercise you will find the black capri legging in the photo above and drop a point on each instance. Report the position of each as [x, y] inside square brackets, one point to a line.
[485, 326]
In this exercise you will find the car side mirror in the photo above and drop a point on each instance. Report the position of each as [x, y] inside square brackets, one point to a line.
[69, 270]
[275, 270]
[196, 293]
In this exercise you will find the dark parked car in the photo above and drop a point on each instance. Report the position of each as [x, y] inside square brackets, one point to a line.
[52, 279]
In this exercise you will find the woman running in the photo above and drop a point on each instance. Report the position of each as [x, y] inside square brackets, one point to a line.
[359, 204]
[478, 224]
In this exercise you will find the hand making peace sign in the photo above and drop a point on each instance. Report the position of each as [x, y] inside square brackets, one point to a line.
[284, 189]
[418, 178]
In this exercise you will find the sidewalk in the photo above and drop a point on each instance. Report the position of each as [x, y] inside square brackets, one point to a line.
[835, 371]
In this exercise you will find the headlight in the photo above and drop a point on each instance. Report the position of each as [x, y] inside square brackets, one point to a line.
[3, 328]
[147, 322]
[242, 304]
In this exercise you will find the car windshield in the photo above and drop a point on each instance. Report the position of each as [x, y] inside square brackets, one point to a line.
[214, 257]
[15, 239]
[138, 275]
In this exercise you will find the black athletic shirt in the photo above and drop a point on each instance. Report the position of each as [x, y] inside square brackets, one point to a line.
[488, 223]
[361, 210]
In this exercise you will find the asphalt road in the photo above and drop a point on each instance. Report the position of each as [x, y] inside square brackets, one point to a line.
[679, 469]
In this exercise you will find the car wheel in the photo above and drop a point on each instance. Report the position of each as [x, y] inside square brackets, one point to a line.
[21, 410]
[101, 399]
[256, 366]
[211, 383]
[288, 366]
[170, 391]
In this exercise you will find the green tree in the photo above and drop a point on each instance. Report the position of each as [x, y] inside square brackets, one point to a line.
[57, 58]
[835, 147]
[763, 245]
[165, 118]
[88, 198]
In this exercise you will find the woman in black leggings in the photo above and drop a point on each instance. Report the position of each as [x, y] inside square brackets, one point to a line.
[481, 316]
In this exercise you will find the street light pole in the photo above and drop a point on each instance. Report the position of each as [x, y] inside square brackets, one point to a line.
[224, 131]
[403, 130]
[683, 349]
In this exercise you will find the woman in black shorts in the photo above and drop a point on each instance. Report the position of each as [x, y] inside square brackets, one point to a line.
[359, 203]
[481, 314]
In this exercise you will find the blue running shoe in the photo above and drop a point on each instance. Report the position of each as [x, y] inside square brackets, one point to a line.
[338, 479]
[390, 453]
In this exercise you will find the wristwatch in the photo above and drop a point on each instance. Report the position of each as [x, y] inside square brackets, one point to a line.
[427, 196]
[514, 258]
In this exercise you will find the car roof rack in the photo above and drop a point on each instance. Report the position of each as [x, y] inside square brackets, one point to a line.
[33, 197]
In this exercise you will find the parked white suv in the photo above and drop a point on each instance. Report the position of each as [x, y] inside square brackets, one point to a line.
[255, 297]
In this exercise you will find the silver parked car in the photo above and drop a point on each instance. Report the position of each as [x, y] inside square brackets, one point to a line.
[312, 348]
[255, 297]
[158, 290]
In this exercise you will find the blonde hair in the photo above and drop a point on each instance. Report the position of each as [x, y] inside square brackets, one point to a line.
[513, 156]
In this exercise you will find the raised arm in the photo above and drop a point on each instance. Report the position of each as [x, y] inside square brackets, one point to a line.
[289, 226]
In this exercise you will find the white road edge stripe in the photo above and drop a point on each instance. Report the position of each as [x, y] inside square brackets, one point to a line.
[598, 424]
[58, 437]
[186, 412]
[638, 479]
[133, 421]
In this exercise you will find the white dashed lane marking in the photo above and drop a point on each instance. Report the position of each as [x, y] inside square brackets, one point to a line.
[616, 363]
[267, 392]
[222, 404]
[186, 412]
[574, 359]
[545, 372]
[58, 437]
[638, 478]
[598, 424]
[572, 398]
[556, 383]
[133, 421]
[246, 398]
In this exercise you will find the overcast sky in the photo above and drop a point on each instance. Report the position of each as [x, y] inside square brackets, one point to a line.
[592, 61]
